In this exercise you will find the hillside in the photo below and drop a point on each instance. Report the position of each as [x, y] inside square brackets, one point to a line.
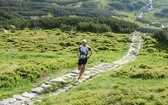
[30, 56]
[146, 13]
[142, 82]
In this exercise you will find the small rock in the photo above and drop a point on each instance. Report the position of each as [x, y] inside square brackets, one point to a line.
[58, 80]
[72, 74]
[68, 75]
[62, 90]
[75, 84]
[75, 72]
[18, 103]
[86, 73]
[7, 101]
[29, 95]
[45, 86]
[19, 97]
[57, 93]
[66, 88]
[38, 90]
[48, 82]
[68, 85]
[85, 77]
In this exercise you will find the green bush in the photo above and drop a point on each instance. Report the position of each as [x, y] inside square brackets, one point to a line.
[8, 79]
[103, 48]
[144, 66]
[151, 50]
[143, 74]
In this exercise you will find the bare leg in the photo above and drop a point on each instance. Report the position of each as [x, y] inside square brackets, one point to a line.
[82, 69]
[79, 66]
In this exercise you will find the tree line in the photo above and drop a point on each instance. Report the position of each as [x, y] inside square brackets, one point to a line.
[75, 23]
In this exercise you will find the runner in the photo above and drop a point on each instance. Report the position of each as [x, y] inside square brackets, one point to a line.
[83, 56]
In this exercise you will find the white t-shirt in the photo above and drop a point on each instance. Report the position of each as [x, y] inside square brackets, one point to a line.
[84, 51]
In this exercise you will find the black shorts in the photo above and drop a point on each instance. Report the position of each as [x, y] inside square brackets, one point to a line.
[82, 61]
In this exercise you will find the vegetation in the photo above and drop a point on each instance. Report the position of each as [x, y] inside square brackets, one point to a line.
[162, 35]
[42, 40]
[142, 82]
[76, 24]
[28, 57]
[27, 10]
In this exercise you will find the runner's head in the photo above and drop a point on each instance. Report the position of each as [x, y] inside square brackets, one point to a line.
[84, 41]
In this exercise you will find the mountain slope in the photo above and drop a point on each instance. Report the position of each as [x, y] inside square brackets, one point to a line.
[154, 12]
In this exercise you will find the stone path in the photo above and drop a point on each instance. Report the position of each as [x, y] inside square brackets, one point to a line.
[62, 84]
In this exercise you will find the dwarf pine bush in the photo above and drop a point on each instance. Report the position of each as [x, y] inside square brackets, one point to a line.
[142, 73]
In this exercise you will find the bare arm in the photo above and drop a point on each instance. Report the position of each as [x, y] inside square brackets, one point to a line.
[90, 54]
[78, 54]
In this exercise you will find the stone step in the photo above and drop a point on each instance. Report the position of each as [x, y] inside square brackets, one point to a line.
[46, 86]
[21, 98]
[75, 72]
[54, 80]
[56, 93]
[62, 90]
[29, 95]
[18, 103]
[7, 101]
[38, 90]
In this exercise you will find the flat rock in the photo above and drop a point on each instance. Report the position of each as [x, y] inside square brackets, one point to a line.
[48, 82]
[62, 90]
[19, 97]
[46, 86]
[96, 66]
[38, 90]
[73, 74]
[68, 85]
[92, 69]
[58, 80]
[85, 77]
[56, 93]
[76, 71]
[29, 95]
[86, 73]
[75, 84]
[7, 101]
[66, 88]
[18, 103]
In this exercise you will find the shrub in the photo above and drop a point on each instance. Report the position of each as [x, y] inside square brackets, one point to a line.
[103, 48]
[162, 35]
[143, 74]
[144, 66]
[151, 50]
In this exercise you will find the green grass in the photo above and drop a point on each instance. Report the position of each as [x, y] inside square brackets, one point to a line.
[27, 57]
[142, 82]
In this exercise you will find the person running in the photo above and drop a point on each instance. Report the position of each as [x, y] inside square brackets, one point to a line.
[83, 56]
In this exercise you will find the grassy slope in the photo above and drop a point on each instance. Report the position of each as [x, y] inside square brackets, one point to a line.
[28, 56]
[142, 82]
